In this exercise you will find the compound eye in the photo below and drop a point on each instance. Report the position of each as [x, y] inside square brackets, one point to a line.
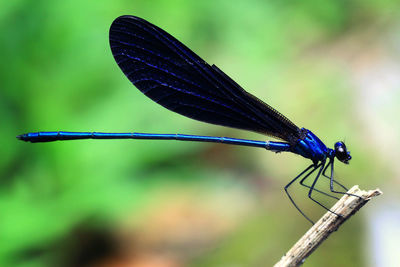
[341, 152]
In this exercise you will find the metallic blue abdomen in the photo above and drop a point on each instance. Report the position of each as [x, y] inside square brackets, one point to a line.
[311, 147]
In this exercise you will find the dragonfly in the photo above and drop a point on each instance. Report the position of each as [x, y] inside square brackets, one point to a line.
[172, 75]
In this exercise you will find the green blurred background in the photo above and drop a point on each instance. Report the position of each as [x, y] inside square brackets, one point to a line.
[331, 66]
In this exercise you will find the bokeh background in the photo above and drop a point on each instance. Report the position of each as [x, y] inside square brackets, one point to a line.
[332, 67]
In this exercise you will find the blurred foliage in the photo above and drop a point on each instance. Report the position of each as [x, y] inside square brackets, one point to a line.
[57, 73]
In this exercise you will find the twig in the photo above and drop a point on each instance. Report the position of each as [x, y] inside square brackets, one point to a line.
[346, 206]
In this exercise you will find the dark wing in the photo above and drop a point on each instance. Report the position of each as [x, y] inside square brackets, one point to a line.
[172, 75]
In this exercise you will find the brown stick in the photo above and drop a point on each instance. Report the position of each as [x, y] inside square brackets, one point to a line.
[346, 206]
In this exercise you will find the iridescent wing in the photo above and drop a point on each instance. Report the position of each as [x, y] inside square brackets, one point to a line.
[172, 75]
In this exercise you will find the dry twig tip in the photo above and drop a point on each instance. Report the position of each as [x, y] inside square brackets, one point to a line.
[346, 207]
